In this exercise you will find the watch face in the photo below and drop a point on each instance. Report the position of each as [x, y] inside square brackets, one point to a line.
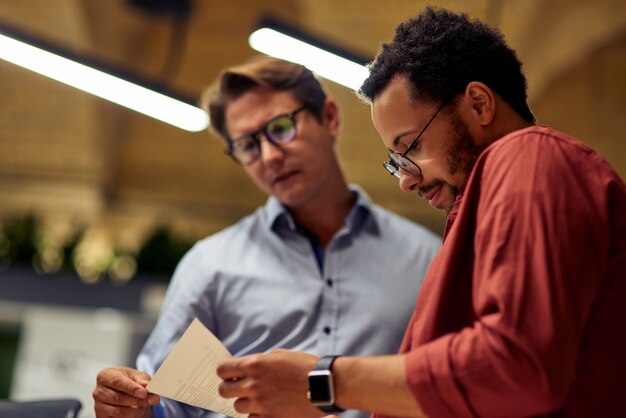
[320, 387]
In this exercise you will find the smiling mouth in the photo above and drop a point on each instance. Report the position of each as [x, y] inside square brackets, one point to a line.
[432, 194]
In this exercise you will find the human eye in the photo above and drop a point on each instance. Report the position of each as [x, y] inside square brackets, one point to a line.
[245, 145]
[281, 129]
[413, 147]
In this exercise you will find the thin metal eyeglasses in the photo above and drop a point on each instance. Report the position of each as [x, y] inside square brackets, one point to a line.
[399, 161]
[279, 130]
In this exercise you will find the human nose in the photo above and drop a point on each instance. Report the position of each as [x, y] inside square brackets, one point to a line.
[409, 182]
[269, 151]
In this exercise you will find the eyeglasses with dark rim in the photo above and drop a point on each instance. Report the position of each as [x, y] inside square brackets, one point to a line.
[399, 161]
[279, 130]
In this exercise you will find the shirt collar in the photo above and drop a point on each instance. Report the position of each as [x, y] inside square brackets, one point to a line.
[277, 217]
[454, 211]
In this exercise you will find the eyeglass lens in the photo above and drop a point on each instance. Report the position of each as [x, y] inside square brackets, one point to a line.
[393, 170]
[280, 131]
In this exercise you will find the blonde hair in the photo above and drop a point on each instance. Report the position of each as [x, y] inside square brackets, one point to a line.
[265, 72]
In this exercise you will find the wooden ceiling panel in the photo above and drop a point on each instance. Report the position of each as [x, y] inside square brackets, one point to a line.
[118, 167]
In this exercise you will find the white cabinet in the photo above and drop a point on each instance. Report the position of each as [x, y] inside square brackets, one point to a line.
[62, 349]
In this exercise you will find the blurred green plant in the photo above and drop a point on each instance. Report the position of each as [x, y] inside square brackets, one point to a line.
[160, 253]
[22, 242]
[18, 239]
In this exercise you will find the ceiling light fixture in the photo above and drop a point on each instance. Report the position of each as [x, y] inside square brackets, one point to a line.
[59, 66]
[323, 58]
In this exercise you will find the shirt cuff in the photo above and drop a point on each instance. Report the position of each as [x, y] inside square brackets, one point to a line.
[430, 376]
[158, 411]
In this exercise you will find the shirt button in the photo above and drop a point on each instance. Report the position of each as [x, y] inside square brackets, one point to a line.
[329, 282]
[327, 330]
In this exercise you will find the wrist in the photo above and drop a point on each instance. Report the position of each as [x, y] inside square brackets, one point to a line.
[321, 391]
[155, 411]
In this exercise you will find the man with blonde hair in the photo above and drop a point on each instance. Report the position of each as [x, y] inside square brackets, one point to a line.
[316, 269]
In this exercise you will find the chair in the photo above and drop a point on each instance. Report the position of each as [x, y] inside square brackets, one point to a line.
[48, 408]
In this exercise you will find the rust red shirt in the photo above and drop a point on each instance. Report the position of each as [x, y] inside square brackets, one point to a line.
[523, 311]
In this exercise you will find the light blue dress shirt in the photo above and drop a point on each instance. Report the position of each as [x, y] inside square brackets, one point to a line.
[257, 286]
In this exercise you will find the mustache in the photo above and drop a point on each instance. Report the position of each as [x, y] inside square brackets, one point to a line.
[430, 186]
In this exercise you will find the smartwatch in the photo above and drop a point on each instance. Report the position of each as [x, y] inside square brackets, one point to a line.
[321, 389]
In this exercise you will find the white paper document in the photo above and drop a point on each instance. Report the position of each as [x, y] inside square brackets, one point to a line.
[189, 375]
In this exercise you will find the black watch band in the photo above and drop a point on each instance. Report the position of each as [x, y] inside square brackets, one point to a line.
[325, 363]
[321, 385]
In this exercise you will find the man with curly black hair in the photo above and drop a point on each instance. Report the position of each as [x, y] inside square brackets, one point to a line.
[523, 311]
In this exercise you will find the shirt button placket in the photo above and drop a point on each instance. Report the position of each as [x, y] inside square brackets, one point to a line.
[328, 339]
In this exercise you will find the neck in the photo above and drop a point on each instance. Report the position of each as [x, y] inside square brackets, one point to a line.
[326, 215]
[506, 121]
[513, 124]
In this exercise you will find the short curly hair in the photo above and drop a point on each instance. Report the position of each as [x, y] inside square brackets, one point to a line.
[265, 72]
[441, 52]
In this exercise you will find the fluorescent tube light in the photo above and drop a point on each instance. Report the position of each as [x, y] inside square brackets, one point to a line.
[280, 41]
[101, 84]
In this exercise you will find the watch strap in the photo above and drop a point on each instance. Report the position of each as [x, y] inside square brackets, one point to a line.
[326, 363]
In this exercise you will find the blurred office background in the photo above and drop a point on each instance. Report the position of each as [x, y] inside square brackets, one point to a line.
[97, 202]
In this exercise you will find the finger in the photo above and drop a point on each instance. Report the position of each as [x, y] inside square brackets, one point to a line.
[242, 405]
[231, 368]
[121, 380]
[233, 388]
[140, 377]
[114, 397]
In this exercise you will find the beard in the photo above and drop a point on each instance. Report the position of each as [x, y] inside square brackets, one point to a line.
[462, 155]
[463, 152]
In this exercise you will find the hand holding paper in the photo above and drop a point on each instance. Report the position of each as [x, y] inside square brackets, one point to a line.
[270, 385]
[188, 374]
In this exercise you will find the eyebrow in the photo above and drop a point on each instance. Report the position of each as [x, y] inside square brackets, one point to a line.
[397, 138]
[259, 130]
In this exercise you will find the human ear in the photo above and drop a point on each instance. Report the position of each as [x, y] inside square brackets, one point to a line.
[330, 117]
[481, 102]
